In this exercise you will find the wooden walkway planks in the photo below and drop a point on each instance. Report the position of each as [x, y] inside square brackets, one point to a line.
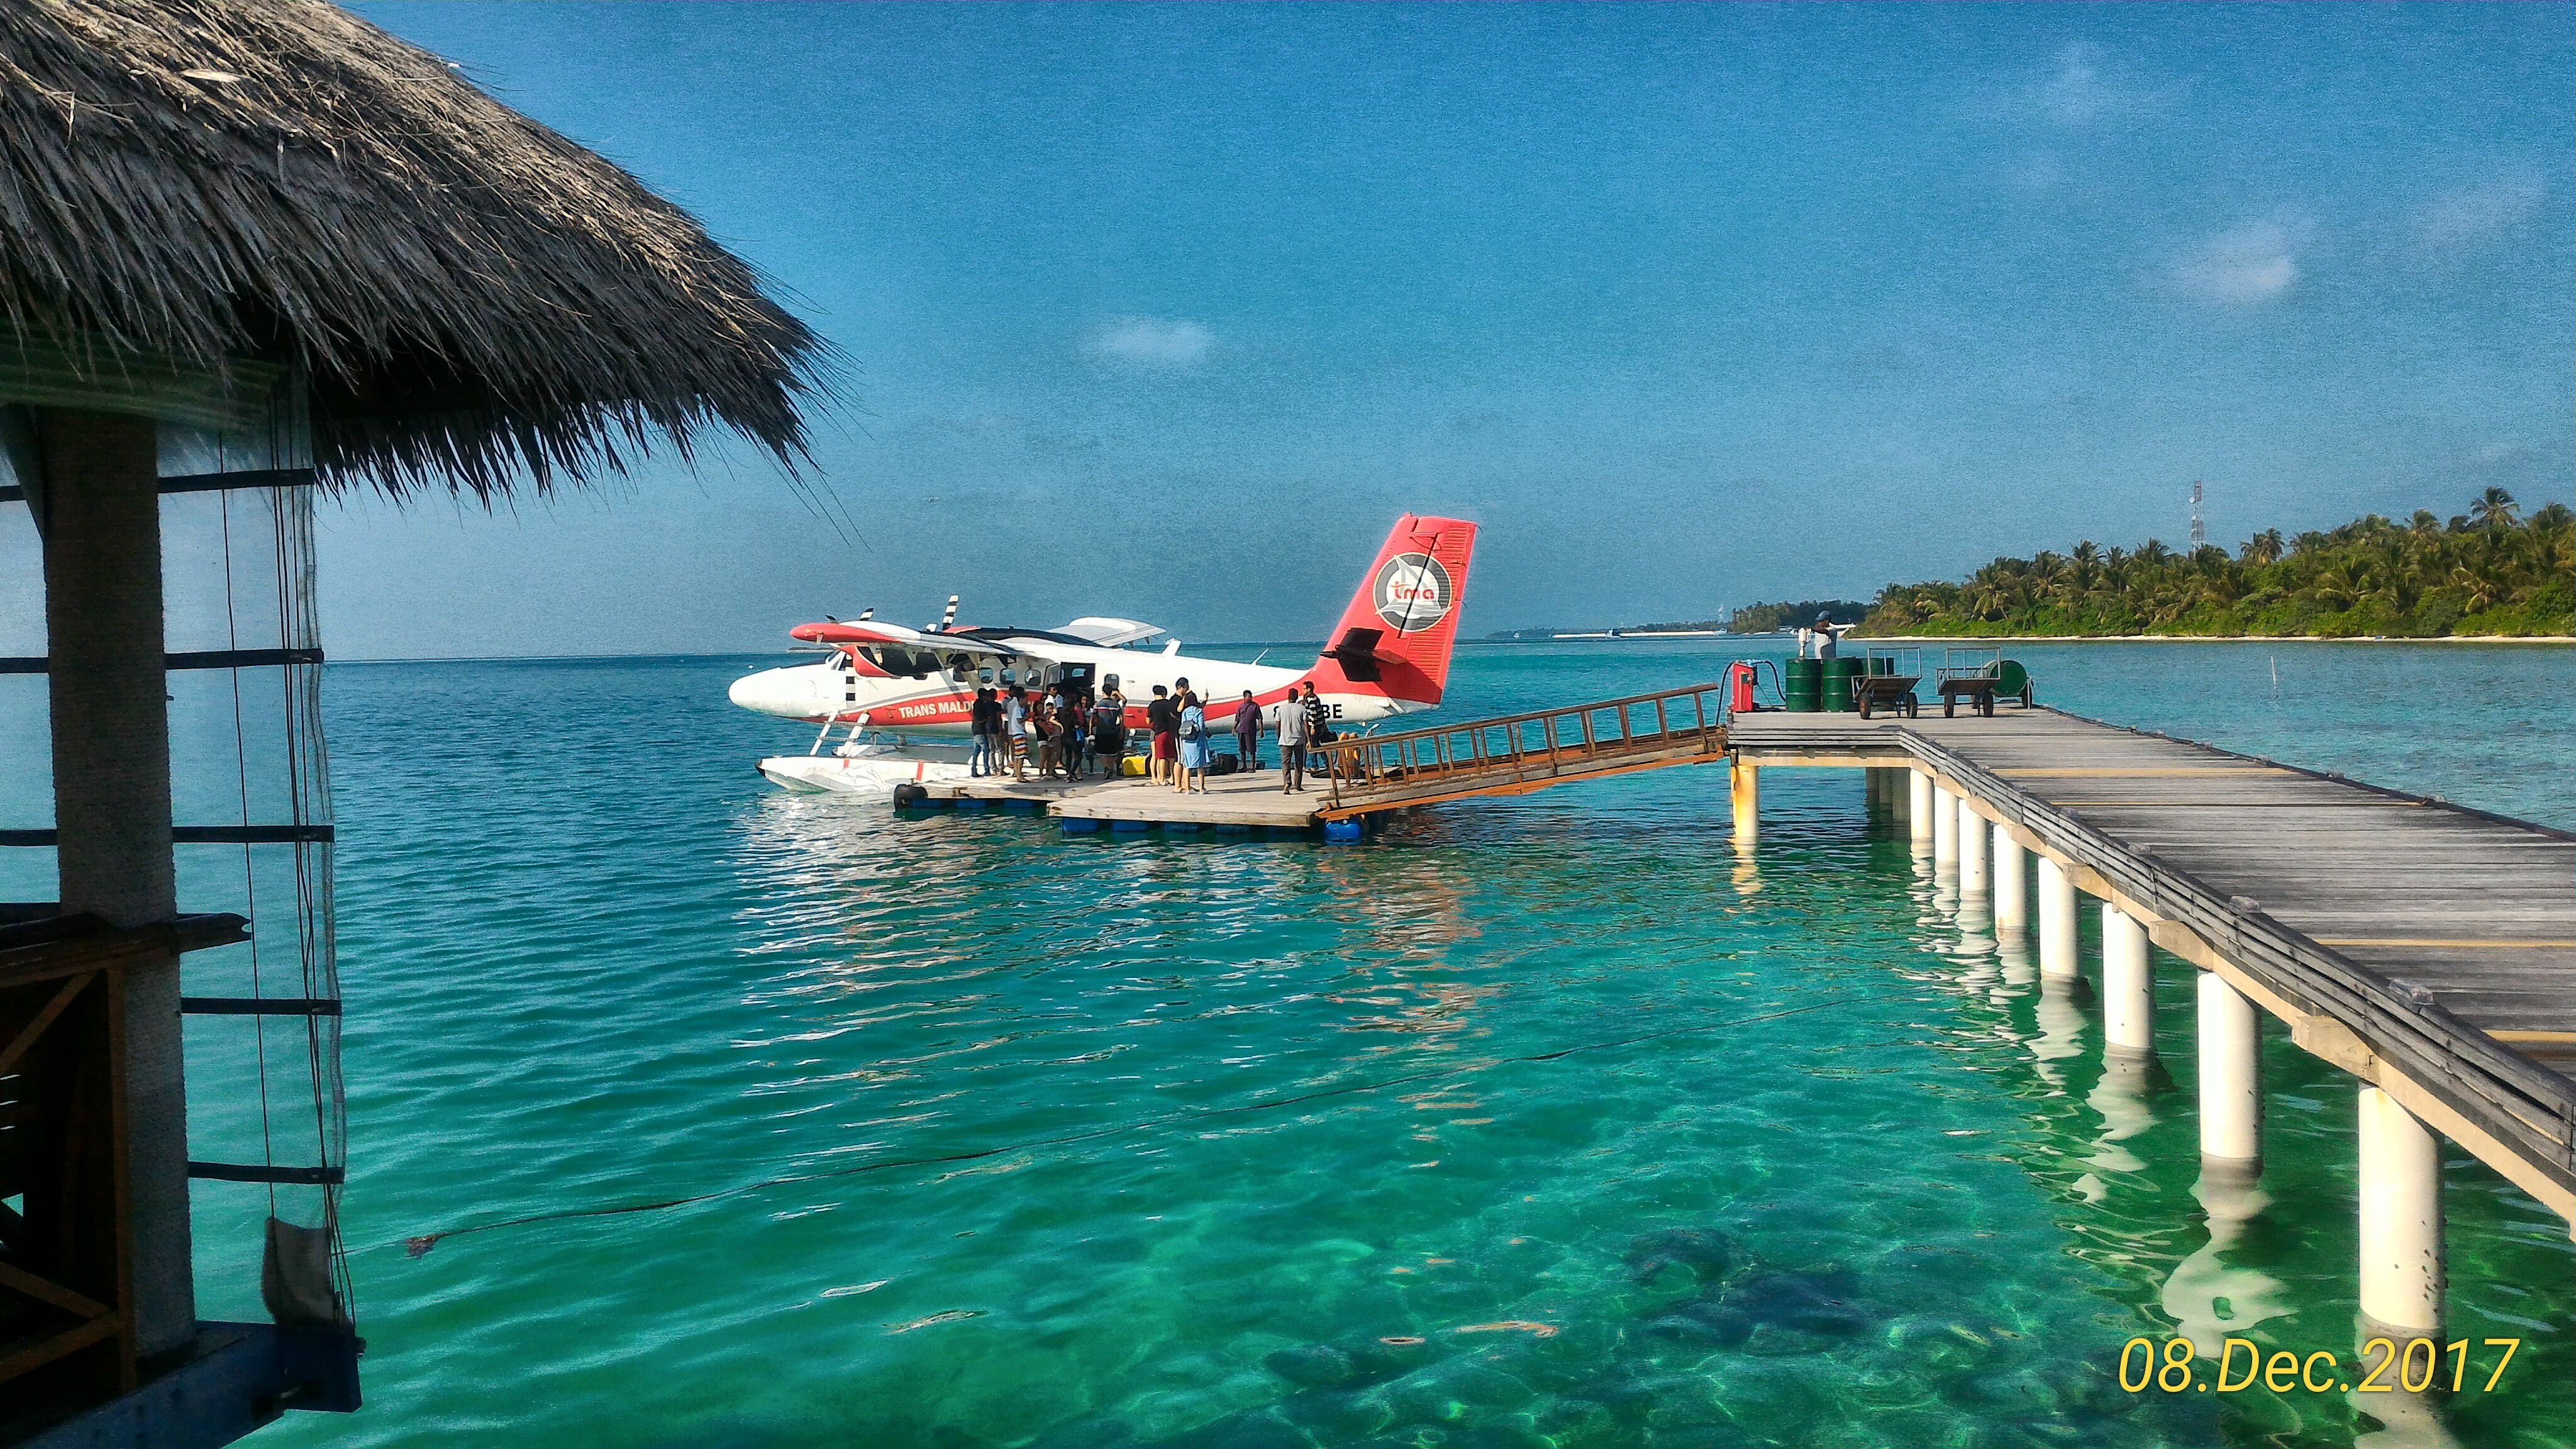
[2443, 939]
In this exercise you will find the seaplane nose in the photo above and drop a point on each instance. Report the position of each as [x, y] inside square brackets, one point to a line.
[771, 691]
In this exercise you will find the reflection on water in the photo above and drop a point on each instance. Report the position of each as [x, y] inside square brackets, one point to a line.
[1565, 1120]
[2210, 1296]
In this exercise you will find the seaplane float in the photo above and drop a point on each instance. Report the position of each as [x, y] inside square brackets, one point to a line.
[903, 697]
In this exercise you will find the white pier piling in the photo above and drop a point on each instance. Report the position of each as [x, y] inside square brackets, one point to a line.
[2128, 985]
[1974, 878]
[2012, 884]
[1945, 829]
[2401, 1219]
[2056, 922]
[2231, 1081]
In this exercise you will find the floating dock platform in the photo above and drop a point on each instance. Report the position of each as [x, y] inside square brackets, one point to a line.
[1363, 775]
[1240, 802]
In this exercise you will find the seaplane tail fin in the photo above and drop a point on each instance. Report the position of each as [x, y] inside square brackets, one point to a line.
[1394, 639]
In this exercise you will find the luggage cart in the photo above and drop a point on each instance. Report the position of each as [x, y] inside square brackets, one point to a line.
[1888, 682]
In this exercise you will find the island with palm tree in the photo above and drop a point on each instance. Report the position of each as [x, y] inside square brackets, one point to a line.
[2488, 572]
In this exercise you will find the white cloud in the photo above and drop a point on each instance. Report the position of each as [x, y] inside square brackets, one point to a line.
[2254, 262]
[1151, 342]
[2468, 216]
[2082, 86]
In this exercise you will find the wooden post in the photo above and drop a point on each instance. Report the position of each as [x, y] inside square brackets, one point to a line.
[1744, 789]
[101, 521]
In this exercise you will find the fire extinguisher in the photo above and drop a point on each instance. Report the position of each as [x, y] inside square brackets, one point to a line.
[1739, 687]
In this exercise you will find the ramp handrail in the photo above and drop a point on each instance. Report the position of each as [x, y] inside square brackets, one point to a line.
[1501, 752]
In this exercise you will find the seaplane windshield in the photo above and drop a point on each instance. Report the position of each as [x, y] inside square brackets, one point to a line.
[911, 663]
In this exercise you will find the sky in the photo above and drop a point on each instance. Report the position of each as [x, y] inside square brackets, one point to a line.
[1169, 311]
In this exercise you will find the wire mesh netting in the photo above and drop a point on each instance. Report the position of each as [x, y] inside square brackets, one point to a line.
[247, 755]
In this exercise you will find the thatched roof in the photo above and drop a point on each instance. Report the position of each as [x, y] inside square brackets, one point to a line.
[470, 293]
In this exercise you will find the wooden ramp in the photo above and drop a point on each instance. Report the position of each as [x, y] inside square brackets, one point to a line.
[1516, 754]
[2398, 934]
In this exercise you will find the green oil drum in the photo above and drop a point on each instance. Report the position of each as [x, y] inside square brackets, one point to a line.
[1836, 687]
[1802, 684]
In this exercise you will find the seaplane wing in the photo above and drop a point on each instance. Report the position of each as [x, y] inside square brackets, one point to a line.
[863, 633]
[1110, 633]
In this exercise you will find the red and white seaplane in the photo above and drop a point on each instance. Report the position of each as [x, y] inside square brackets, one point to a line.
[905, 695]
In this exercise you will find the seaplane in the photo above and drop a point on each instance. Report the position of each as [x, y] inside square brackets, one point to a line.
[903, 697]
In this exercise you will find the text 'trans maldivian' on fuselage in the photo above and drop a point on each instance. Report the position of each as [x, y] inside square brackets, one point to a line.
[1388, 656]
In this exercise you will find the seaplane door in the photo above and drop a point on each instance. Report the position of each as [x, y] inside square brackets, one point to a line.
[1078, 676]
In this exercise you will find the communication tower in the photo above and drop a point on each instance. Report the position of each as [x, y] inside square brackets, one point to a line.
[2199, 535]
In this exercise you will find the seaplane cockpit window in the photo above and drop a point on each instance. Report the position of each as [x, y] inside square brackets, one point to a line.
[905, 663]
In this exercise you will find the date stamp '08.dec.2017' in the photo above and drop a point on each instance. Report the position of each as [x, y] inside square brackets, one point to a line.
[2385, 1366]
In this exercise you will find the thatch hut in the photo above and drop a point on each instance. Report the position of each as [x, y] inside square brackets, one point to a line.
[268, 217]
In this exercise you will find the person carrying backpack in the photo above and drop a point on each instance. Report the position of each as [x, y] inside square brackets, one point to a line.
[1109, 733]
[1194, 745]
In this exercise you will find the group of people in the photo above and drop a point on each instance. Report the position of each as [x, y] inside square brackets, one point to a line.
[1066, 729]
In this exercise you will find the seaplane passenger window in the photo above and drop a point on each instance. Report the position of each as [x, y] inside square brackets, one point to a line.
[1108, 683]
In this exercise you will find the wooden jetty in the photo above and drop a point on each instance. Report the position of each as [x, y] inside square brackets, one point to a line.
[2426, 948]
[1365, 775]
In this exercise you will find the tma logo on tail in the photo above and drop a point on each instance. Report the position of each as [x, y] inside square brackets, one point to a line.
[1414, 592]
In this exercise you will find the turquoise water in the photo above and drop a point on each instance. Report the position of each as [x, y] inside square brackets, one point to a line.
[1126, 1140]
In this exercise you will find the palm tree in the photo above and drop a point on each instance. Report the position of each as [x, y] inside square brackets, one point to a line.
[2394, 578]
[2421, 572]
